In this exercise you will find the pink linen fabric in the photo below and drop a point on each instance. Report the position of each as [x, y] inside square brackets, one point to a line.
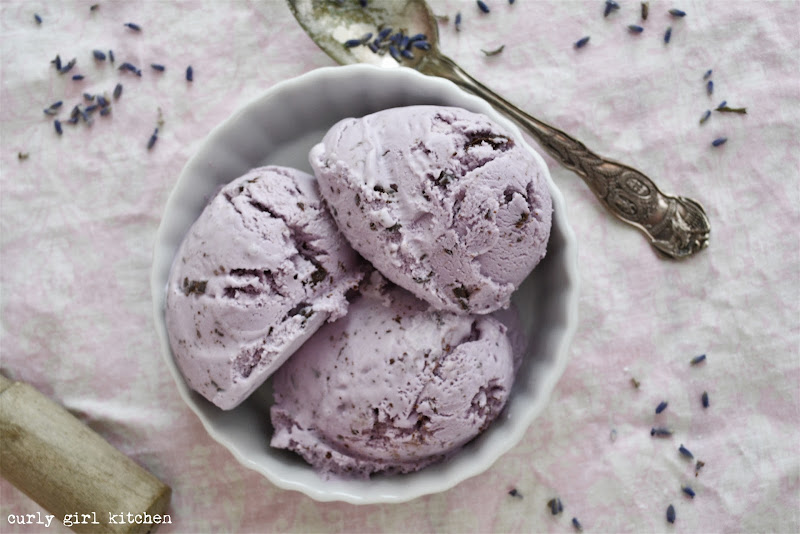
[78, 219]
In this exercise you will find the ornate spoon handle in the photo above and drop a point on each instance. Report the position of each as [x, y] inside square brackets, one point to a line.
[677, 226]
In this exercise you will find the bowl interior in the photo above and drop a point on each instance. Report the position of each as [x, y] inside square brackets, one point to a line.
[280, 128]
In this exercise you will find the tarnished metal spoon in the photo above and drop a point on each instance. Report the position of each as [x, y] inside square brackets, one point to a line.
[677, 226]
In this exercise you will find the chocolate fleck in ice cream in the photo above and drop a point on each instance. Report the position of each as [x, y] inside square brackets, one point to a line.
[442, 201]
[261, 269]
[392, 387]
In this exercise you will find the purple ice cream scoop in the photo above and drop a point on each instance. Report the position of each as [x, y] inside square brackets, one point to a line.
[261, 269]
[442, 201]
[391, 387]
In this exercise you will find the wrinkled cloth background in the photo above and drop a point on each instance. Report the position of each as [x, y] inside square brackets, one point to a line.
[80, 214]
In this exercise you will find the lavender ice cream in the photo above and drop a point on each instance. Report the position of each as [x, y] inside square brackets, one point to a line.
[261, 269]
[442, 201]
[392, 387]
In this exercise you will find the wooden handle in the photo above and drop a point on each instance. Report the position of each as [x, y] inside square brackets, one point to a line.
[68, 469]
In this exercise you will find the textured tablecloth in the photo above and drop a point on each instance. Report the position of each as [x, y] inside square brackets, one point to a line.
[80, 213]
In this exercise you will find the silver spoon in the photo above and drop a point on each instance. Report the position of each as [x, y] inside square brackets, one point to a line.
[677, 226]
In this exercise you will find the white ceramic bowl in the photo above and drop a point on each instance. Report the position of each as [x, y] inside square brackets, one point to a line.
[280, 127]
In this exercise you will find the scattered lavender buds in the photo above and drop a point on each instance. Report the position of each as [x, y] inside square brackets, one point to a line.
[645, 10]
[611, 5]
[688, 491]
[555, 506]
[458, 21]
[37, 18]
[677, 13]
[514, 493]
[56, 62]
[77, 77]
[494, 52]
[577, 524]
[661, 406]
[482, 6]
[660, 432]
[722, 104]
[111, 56]
[685, 452]
[704, 399]
[189, 74]
[583, 41]
[156, 66]
[698, 359]
[57, 126]
[635, 383]
[635, 28]
[707, 75]
[353, 43]
[22, 155]
[105, 111]
[134, 27]
[153, 139]
[719, 141]
[94, 7]
[698, 466]
[671, 514]
[130, 67]
[668, 35]
[99, 55]
[118, 90]
[710, 87]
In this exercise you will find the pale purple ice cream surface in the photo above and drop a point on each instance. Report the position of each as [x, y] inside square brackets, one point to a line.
[442, 201]
[261, 269]
[391, 387]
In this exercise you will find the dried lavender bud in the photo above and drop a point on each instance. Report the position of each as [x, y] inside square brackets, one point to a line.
[77, 77]
[134, 27]
[350, 43]
[422, 45]
[56, 62]
[94, 7]
[57, 126]
[458, 21]
[66, 68]
[703, 119]
[685, 452]
[688, 491]
[645, 10]
[22, 155]
[514, 493]
[99, 55]
[577, 524]
[189, 74]
[118, 90]
[611, 5]
[111, 56]
[726, 109]
[704, 399]
[677, 13]
[635, 383]
[494, 52]
[37, 18]
[635, 28]
[710, 87]
[482, 6]
[583, 41]
[707, 75]
[105, 111]
[668, 35]
[153, 139]
[660, 432]
[671, 514]
[698, 359]
[158, 67]
[719, 141]
[555, 506]
[661, 406]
